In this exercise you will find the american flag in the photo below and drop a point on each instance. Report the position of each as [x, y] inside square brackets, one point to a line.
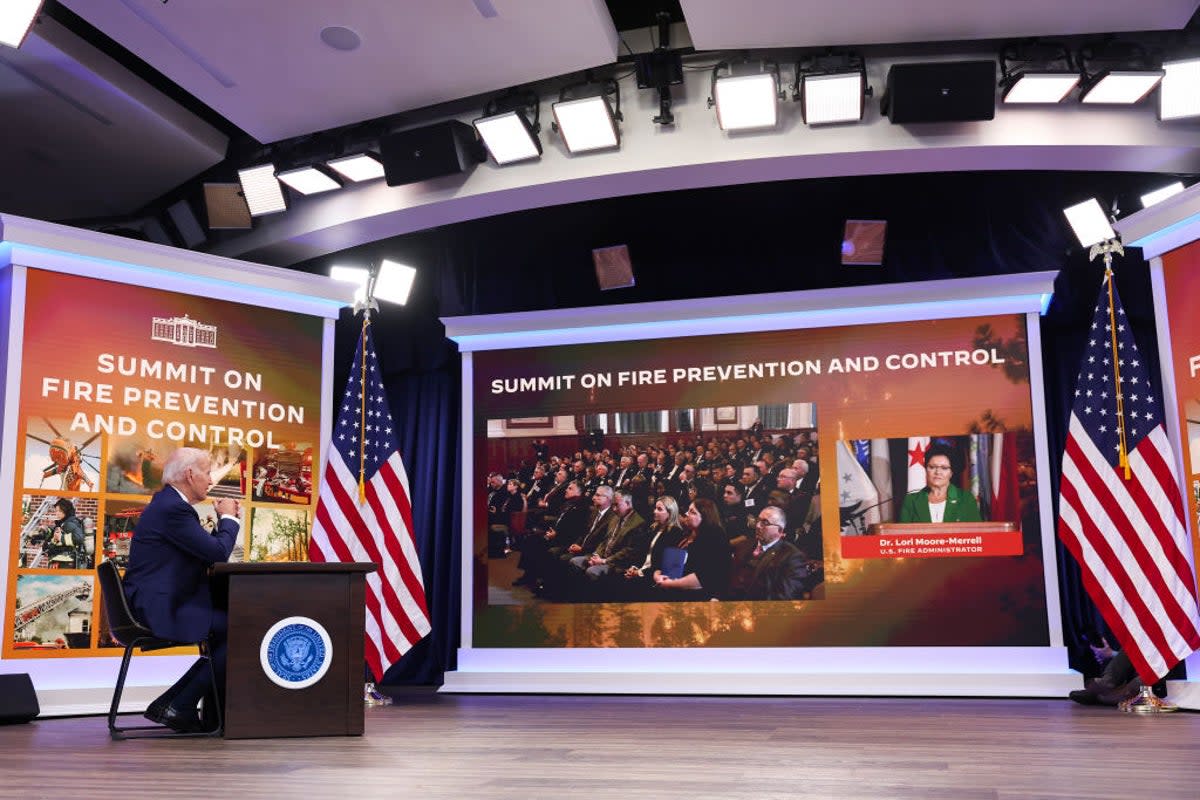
[1125, 524]
[364, 514]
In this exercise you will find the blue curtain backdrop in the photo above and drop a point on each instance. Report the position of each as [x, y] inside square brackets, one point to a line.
[724, 241]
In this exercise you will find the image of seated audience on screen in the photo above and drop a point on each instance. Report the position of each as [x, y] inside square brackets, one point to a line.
[691, 515]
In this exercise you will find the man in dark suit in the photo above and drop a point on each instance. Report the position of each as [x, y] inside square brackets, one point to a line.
[626, 545]
[777, 569]
[568, 528]
[754, 490]
[167, 584]
[625, 474]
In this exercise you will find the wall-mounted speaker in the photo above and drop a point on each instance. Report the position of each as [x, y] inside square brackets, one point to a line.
[18, 701]
[434, 151]
[954, 91]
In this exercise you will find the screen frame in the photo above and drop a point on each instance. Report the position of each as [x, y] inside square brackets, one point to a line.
[1006, 671]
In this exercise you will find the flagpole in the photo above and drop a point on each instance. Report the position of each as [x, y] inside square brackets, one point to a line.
[1145, 702]
[362, 410]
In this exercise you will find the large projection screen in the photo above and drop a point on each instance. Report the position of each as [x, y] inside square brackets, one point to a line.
[843, 389]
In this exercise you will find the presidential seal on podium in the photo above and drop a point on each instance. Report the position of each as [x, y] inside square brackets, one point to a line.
[295, 652]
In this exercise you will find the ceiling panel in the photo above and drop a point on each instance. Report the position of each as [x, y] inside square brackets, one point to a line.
[264, 66]
[84, 137]
[721, 24]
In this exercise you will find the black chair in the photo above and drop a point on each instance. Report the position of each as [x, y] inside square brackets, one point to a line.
[131, 634]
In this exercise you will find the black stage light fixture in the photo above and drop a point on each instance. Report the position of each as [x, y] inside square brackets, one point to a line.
[942, 91]
[507, 130]
[186, 224]
[434, 151]
[747, 96]
[225, 206]
[261, 189]
[1117, 73]
[1035, 72]
[1179, 91]
[660, 69]
[831, 88]
[585, 117]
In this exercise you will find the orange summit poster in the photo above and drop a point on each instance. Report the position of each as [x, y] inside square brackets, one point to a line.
[114, 377]
[1180, 284]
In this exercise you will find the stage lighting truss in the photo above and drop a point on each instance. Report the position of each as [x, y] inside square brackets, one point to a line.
[1179, 92]
[747, 97]
[16, 18]
[261, 189]
[831, 89]
[1036, 73]
[506, 129]
[585, 117]
[1116, 73]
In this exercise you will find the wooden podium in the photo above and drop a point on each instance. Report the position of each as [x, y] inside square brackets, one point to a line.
[263, 595]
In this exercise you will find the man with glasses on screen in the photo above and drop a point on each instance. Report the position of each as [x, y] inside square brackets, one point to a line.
[776, 569]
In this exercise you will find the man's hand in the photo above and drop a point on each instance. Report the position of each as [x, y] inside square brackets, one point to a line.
[227, 506]
[550, 534]
[574, 549]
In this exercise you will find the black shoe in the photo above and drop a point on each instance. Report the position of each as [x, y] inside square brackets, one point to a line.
[178, 720]
[1085, 697]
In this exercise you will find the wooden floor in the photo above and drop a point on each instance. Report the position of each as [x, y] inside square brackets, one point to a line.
[625, 748]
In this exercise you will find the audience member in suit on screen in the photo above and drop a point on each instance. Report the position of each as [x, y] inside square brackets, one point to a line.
[777, 570]
[167, 582]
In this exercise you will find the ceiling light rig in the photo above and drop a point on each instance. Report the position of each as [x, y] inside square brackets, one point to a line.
[1036, 72]
[660, 69]
[1116, 73]
[746, 97]
[586, 118]
[831, 88]
[510, 126]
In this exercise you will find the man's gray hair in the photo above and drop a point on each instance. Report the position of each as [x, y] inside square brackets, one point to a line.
[178, 463]
[777, 516]
[604, 490]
